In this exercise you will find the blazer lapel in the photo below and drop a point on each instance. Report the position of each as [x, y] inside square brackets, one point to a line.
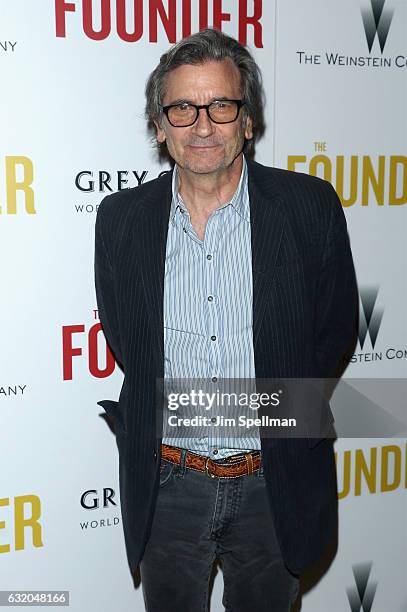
[151, 246]
[267, 224]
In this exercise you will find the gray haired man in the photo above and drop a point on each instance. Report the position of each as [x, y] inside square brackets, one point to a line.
[221, 269]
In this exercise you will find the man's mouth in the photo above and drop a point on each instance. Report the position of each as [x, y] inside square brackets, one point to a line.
[203, 146]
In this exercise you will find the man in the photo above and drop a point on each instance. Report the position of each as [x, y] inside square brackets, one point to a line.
[221, 269]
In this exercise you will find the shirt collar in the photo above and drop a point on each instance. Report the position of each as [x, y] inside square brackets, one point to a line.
[239, 201]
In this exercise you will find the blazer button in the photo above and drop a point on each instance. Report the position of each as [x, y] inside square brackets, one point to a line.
[155, 455]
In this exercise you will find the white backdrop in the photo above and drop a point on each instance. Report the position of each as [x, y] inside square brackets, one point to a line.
[72, 101]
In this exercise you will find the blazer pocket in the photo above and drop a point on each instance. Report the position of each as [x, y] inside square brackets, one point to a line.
[296, 261]
[112, 409]
[296, 265]
[295, 268]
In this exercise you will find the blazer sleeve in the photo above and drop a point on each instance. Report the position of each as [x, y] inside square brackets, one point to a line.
[337, 296]
[105, 286]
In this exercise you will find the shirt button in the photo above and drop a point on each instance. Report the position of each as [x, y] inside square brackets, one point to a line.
[209, 257]
[210, 298]
[213, 338]
[184, 230]
[215, 452]
[213, 419]
[214, 379]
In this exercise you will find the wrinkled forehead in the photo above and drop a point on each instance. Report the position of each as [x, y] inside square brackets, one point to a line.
[211, 78]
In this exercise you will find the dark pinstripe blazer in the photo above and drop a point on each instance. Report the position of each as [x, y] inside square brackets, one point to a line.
[304, 319]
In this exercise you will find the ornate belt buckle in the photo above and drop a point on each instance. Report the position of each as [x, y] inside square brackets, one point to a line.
[206, 468]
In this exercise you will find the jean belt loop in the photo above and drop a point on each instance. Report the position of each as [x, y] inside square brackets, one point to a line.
[181, 468]
[260, 472]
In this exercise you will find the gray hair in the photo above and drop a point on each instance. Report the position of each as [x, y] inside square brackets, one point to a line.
[209, 44]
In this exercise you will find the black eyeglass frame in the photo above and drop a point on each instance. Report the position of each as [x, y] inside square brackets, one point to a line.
[239, 104]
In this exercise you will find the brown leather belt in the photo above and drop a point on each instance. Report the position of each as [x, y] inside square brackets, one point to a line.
[231, 467]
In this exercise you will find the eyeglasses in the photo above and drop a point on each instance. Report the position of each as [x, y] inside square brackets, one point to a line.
[185, 114]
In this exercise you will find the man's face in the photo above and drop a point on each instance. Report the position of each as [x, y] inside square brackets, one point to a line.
[204, 147]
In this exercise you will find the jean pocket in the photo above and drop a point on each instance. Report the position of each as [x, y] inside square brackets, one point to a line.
[166, 469]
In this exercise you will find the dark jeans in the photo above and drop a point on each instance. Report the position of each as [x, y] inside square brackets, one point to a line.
[198, 519]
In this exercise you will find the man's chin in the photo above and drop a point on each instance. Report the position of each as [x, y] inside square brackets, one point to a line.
[204, 168]
[207, 166]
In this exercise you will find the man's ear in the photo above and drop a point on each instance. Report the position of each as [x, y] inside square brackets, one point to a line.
[248, 131]
[160, 133]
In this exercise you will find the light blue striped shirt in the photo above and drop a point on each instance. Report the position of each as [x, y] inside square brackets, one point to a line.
[208, 299]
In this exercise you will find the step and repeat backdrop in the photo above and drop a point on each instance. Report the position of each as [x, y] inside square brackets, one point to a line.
[72, 130]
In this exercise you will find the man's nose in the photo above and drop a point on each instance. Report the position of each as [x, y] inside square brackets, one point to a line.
[203, 125]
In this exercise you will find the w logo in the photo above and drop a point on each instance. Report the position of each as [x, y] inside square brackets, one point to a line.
[370, 316]
[376, 20]
[362, 595]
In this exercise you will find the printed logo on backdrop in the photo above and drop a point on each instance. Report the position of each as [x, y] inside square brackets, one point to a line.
[94, 500]
[376, 21]
[7, 46]
[85, 351]
[376, 18]
[365, 180]
[16, 186]
[376, 470]
[20, 517]
[102, 182]
[12, 390]
[370, 320]
[370, 317]
[157, 20]
[361, 596]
